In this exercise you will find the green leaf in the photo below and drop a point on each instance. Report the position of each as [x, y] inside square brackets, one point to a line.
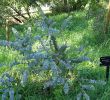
[79, 96]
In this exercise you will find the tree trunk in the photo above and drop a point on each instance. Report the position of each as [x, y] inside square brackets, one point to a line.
[65, 2]
[65, 5]
[7, 31]
[107, 19]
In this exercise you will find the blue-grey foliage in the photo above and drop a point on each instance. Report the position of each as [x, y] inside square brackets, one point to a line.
[6, 81]
[49, 56]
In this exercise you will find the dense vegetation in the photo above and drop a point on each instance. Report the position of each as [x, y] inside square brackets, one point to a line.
[55, 56]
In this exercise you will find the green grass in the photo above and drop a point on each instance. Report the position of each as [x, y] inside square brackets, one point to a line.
[79, 33]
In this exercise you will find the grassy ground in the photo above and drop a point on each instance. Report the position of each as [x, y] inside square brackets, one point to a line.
[79, 33]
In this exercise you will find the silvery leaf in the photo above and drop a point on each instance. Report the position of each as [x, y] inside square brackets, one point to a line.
[86, 96]
[81, 48]
[66, 22]
[29, 31]
[48, 84]
[66, 64]
[15, 32]
[46, 64]
[53, 66]
[5, 43]
[50, 21]
[66, 88]
[79, 96]
[14, 63]
[100, 82]
[24, 77]
[4, 96]
[80, 59]
[52, 30]
[84, 58]
[11, 94]
[88, 87]
[37, 37]
[33, 63]
[60, 80]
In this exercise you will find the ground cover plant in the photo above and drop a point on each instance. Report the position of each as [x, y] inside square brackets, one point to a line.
[51, 68]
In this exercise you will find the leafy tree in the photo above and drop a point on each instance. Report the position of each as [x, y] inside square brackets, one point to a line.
[98, 10]
[10, 7]
[68, 5]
